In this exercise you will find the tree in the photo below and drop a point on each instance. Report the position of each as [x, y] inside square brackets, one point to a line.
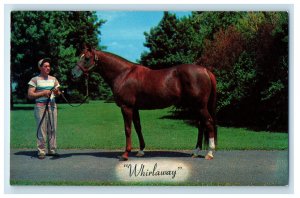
[161, 43]
[253, 85]
[223, 50]
[55, 34]
[207, 24]
[271, 54]
[177, 41]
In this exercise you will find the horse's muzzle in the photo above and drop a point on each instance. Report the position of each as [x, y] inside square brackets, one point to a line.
[76, 72]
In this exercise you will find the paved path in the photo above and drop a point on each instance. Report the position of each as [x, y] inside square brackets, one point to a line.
[242, 168]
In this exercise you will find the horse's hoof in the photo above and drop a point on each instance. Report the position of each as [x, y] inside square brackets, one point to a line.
[195, 155]
[209, 157]
[140, 153]
[123, 158]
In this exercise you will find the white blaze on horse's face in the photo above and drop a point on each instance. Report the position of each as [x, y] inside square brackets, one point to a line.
[86, 60]
[83, 63]
[77, 71]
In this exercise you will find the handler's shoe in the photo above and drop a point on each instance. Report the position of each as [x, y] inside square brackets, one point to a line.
[41, 156]
[53, 153]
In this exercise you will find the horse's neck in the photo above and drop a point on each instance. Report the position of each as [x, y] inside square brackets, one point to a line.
[111, 67]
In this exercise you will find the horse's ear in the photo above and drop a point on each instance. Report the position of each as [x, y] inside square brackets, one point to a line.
[89, 48]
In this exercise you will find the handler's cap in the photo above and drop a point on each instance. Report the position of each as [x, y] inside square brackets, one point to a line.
[42, 61]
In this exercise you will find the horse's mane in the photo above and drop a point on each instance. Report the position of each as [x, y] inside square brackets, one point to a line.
[118, 57]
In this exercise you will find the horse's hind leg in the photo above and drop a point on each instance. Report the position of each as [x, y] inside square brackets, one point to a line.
[209, 127]
[198, 146]
[138, 129]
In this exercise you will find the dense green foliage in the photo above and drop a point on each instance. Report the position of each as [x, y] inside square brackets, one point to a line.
[100, 125]
[167, 48]
[57, 35]
[248, 52]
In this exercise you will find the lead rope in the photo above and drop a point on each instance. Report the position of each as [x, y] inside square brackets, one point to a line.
[86, 97]
[86, 84]
[50, 134]
[49, 117]
[49, 120]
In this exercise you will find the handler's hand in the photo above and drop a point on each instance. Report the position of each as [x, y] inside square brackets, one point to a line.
[47, 93]
[56, 92]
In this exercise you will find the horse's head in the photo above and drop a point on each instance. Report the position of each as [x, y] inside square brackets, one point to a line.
[85, 63]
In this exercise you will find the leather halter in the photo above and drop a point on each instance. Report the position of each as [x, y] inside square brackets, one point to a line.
[86, 70]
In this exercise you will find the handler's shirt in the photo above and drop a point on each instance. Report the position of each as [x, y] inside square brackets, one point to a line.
[44, 84]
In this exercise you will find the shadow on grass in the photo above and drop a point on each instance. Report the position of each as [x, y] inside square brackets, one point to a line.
[23, 108]
[110, 154]
[189, 118]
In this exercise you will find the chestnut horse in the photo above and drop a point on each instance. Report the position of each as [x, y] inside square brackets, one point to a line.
[137, 87]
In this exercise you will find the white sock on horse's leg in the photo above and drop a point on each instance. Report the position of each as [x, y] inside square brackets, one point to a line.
[212, 143]
[211, 149]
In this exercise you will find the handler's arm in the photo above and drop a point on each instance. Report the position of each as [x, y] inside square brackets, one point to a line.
[57, 91]
[32, 94]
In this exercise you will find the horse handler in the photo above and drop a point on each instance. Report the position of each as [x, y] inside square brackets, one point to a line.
[43, 88]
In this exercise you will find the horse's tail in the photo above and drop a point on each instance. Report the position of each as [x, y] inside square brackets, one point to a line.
[212, 103]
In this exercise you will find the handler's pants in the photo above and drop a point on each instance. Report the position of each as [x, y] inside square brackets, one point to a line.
[44, 132]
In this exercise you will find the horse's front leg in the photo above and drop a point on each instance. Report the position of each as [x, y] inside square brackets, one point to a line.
[127, 113]
[138, 129]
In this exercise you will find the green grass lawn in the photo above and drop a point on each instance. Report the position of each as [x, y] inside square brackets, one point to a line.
[99, 125]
